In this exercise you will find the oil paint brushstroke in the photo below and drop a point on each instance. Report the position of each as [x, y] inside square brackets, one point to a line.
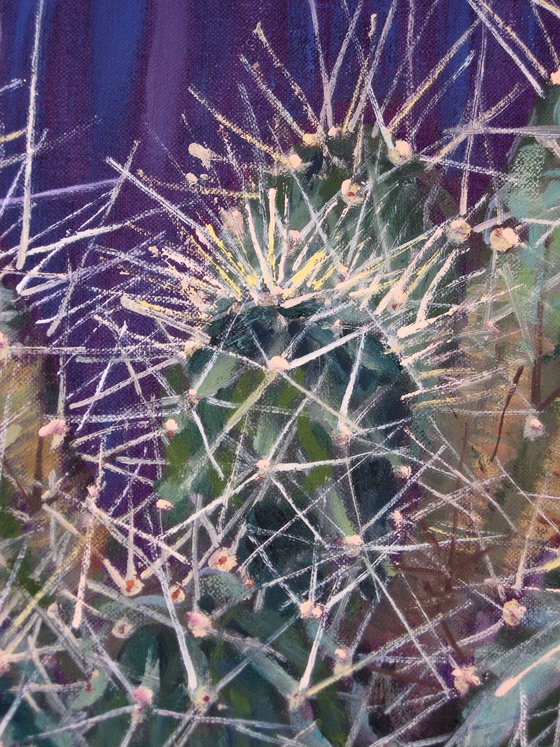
[280, 373]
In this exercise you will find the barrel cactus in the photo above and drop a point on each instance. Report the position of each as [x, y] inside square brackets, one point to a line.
[288, 422]
[334, 530]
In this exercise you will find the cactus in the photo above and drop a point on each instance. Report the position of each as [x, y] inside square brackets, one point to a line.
[521, 335]
[335, 531]
[289, 456]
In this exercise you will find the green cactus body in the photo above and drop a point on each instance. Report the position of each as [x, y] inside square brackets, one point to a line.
[291, 419]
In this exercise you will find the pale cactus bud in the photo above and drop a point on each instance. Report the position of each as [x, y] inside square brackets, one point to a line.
[400, 153]
[464, 678]
[224, 559]
[296, 701]
[491, 328]
[203, 154]
[278, 363]
[342, 661]
[199, 624]
[164, 505]
[513, 613]
[533, 428]
[503, 239]
[294, 237]
[343, 435]
[458, 231]
[192, 345]
[4, 662]
[397, 518]
[555, 77]
[86, 522]
[350, 192]
[143, 695]
[55, 427]
[398, 299]
[171, 427]
[310, 610]
[334, 131]
[263, 467]
[248, 580]
[403, 472]
[122, 628]
[193, 397]
[295, 162]
[352, 545]
[52, 611]
[202, 697]
[312, 138]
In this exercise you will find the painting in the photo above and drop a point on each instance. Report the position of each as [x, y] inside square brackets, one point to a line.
[280, 373]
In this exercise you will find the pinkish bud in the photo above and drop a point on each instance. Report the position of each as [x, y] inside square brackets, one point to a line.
[202, 697]
[491, 328]
[312, 138]
[352, 545]
[397, 518]
[143, 695]
[93, 490]
[224, 559]
[122, 628]
[193, 397]
[278, 363]
[401, 153]
[464, 678]
[199, 624]
[232, 221]
[171, 427]
[310, 610]
[503, 239]
[55, 427]
[513, 613]
[351, 192]
[403, 472]
[458, 231]
[343, 435]
[533, 428]
[295, 162]
[263, 467]
[164, 505]
[4, 348]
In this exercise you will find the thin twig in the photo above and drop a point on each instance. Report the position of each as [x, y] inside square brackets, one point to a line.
[506, 405]
[549, 400]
